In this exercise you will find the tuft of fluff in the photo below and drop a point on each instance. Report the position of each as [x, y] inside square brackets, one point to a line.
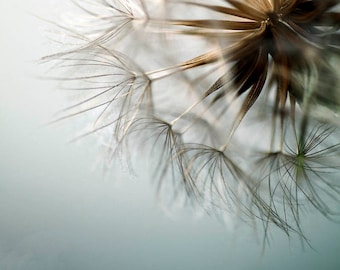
[235, 102]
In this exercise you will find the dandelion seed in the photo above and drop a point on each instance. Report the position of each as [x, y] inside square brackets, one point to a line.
[213, 84]
[304, 174]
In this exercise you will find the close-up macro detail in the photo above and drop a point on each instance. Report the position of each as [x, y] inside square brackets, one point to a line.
[238, 100]
[170, 134]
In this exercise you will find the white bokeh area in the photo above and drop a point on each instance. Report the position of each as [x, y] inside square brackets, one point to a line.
[59, 211]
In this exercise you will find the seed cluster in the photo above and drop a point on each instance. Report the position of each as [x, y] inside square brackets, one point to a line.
[236, 102]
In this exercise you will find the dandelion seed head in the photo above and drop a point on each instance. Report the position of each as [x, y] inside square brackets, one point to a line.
[237, 101]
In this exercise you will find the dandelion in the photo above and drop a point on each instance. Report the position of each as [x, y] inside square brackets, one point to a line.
[210, 86]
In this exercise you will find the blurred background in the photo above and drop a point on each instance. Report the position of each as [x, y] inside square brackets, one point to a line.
[58, 211]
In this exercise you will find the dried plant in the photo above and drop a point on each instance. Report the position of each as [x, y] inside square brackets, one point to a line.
[238, 100]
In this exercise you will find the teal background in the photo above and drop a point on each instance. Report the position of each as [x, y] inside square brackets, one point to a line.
[58, 211]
